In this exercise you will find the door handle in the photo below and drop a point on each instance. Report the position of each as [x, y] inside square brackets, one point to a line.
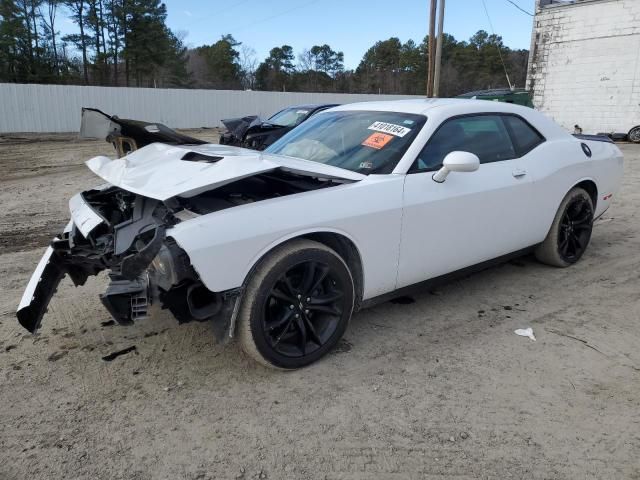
[519, 172]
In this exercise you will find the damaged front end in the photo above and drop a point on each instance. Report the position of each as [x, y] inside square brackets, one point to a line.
[125, 233]
[237, 128]
[128, 225]
[252, 132]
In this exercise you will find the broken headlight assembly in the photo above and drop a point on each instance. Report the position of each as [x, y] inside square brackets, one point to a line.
[170, 266]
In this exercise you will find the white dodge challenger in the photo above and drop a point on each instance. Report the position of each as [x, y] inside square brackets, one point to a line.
[356, 205]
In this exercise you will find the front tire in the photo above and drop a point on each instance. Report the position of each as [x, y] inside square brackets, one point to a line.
[297, 305]
[570, 232]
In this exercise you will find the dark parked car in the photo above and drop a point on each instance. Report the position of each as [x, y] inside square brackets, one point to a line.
[252, 132]
[519, 96]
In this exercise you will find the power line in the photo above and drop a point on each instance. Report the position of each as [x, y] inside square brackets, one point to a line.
[520, 8]
[484, 4]
[245, 26]
[273, 16]
[208, 17]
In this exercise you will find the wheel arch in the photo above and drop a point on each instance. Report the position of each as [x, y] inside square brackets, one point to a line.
[339, 241]
[589, 185]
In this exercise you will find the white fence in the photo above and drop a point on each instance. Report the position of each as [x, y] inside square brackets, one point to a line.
[56, 108]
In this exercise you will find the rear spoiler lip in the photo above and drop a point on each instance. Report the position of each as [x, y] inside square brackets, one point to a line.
[594, 138]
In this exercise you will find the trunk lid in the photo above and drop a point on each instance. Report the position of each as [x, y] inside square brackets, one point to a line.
[163, 171]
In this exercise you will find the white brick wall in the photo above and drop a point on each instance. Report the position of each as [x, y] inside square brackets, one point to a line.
[585, 64]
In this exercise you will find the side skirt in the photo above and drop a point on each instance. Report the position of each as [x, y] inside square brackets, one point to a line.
[442, 279]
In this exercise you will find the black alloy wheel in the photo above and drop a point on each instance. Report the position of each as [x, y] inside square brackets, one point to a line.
[570, 231]
[575, 228]
[303, 309]
[296, 305]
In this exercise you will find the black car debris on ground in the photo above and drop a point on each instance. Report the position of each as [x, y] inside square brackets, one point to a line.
[252, 132]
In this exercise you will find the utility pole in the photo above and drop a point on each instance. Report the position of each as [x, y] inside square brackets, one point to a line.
[436, 75]
[432, 39]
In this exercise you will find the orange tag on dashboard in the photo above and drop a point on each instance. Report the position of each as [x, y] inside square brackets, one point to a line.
[377, 140]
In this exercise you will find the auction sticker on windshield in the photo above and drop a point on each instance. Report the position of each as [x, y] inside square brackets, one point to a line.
[377, 140]
[393, 129]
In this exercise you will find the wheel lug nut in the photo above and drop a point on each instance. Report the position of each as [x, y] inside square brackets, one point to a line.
[306, 311]
[291, 307]
[299, 296]
[297, 316]
[308, 299]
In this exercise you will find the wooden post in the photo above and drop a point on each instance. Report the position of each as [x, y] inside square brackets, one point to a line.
[432, 40]
[436, 75]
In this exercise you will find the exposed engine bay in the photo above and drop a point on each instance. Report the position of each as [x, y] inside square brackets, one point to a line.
[252, 189]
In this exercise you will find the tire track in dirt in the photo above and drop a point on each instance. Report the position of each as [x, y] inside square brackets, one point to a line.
[28, 237]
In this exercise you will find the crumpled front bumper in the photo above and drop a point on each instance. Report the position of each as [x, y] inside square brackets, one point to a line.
[79, 260]
[40, 289]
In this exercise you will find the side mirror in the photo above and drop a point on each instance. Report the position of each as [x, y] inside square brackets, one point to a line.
[457, 162]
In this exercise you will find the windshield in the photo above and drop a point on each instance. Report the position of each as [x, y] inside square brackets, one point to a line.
[288, 117]
[360, 141]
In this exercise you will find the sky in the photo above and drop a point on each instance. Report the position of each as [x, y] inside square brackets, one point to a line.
[350, 26]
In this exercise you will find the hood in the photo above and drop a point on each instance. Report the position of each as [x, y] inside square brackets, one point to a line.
[162, 171]
[97, 124]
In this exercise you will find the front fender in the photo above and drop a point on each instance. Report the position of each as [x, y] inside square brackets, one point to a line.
[224, 246]
[298, 234]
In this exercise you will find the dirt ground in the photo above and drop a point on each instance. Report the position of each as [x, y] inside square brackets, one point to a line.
[436, 388]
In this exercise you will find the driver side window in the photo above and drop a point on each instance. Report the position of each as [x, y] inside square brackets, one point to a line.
[484, 135]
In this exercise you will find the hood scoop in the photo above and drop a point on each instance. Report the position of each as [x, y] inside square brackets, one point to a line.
[200, 157]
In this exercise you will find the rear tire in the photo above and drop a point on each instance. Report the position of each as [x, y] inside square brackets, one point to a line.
[570, 232]
[634, 134]
[297, 305]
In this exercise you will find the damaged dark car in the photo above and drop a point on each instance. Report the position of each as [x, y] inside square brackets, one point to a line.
[256, 134]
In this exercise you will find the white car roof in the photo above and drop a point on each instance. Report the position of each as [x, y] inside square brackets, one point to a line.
[424, 105]
[442, 108]
[412, 105]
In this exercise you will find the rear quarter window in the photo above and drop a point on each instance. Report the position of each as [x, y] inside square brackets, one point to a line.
[525, 138]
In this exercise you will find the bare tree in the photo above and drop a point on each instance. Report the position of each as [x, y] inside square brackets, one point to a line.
[306, 61]
[248, 65]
